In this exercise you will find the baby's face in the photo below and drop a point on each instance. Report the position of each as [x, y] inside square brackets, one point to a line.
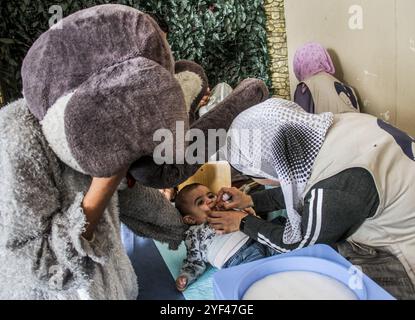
[200, 201]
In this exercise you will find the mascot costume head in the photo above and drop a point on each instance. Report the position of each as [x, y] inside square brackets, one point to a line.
[102, 81]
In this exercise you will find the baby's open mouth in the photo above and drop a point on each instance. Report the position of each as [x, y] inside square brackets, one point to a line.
[214, 207]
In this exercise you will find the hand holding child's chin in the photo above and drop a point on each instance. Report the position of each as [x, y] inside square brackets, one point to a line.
[225, 221]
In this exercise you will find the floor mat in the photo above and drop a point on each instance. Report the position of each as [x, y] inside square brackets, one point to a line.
[154, 278]
[202, 289]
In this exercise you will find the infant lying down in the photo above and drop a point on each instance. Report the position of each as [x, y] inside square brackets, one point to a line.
[205, 245]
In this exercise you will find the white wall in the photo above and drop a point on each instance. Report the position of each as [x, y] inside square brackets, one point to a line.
[378, 59]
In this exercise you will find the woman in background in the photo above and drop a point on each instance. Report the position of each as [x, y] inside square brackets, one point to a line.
[318, 90]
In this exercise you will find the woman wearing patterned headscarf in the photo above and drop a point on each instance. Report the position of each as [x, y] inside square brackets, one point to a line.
[343, 177]
[318, 90]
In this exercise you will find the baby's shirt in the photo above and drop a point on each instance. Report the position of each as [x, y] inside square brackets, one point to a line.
[205, 246]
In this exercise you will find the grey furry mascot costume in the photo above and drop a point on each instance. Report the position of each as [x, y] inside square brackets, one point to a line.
[96, 88]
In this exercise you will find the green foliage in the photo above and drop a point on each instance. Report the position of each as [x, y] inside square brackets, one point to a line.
[227, 37]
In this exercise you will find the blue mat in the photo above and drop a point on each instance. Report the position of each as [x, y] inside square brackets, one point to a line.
[202, 289]
[157, 268]
[154, 278]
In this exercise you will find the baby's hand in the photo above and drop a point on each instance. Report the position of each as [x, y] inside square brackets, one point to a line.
[181, 283]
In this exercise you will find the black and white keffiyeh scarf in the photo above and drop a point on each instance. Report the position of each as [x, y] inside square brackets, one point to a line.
[278, 140]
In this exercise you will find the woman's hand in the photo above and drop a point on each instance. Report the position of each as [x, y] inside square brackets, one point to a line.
[181, 283]
[237, 199]
[97, 198]
[226, 221]
[249, 211]
[205, 99]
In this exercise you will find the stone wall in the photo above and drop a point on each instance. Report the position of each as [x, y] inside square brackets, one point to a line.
[277, 47]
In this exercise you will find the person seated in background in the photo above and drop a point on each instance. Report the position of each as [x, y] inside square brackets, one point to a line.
[205, 245]
[319, 91]
[214, 97]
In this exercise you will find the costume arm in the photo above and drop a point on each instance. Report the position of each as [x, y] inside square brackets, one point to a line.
[149, 214]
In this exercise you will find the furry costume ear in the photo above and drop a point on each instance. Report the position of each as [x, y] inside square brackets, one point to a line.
[89, 41]
[194, 83]
[111, 118]
[247, 94]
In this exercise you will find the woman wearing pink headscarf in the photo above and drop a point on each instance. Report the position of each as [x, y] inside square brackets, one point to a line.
[318, 90]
